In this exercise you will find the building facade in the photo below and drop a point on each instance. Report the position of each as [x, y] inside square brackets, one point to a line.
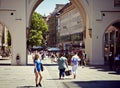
[52, 26]
[71, 27]
[97, 16]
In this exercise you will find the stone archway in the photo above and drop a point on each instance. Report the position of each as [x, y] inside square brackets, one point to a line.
[17, 18]
[5, 44]
[8, 20]
[82, 11]
[31, 6]
[82, 8]
[18, 15]
[112, 41]
[16, 25]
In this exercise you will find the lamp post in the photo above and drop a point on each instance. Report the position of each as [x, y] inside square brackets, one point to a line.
[58, 27]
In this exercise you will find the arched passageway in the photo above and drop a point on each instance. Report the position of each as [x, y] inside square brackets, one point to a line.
[78, 5]
[112, 41]
[5, 45]
[18, 18]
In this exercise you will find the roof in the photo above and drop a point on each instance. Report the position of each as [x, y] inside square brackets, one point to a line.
[66, 6]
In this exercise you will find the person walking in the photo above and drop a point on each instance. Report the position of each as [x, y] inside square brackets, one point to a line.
[53, 57]
[42, 55]
[62, 64]
[111, 60]
[74, 62]
[117, 62]
[37, 70]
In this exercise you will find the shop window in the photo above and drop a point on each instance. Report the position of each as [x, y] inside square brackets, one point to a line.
[106, 38]
[116, 3]
[116, 34]
[112, 37]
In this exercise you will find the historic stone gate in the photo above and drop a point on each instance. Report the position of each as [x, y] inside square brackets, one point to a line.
[16, 15]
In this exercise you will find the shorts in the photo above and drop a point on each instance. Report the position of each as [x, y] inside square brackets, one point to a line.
[74, 68]
[36, 70]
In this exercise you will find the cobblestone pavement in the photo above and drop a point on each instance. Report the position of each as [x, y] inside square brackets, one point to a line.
[87, 77]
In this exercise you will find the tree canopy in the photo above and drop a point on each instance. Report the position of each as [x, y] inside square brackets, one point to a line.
[38, 30]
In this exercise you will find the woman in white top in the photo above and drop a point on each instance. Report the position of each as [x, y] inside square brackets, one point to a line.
[74, 62]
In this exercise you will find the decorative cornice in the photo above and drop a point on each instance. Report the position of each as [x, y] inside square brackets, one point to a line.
[110, 11]
[7, 10]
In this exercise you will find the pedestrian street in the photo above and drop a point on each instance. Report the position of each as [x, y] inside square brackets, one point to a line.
[87, 77]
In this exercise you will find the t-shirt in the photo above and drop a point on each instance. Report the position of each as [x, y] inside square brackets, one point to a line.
[117, 58]
[38, 64]
[75, 59]
[62, 62]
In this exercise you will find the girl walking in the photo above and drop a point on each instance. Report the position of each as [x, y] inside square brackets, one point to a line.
[74, 62]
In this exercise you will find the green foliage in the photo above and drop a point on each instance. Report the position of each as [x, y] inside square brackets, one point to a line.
[38, 30]
[38, 23]
[35, 37]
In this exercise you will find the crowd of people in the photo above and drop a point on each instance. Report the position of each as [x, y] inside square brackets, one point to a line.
[117, 62]
[62, 59]
[114, 61]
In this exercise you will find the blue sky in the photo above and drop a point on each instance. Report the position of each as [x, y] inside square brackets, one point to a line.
[48, 6]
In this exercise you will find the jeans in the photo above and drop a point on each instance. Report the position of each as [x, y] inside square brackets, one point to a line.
[61, 72]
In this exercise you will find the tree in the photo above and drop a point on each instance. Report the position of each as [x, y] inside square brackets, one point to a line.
[35, 37]
[38, 29]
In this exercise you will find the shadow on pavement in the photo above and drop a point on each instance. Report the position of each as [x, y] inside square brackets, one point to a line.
[30, 64]
[50, 64]
[7, 64]
[104, 68]
[100, 67]
[26, 87]
[61, 79]
[115, 73]
[43, 65]
[93, 84]
[4, 64]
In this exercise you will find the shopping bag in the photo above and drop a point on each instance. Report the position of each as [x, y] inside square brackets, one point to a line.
[68, 72]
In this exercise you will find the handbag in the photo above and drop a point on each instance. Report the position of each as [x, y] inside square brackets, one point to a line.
[68, 72]
[41, 67]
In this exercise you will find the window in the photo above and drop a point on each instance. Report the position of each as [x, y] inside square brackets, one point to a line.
[112, 37]
[116, 33]
[106, 38]
[117, 3]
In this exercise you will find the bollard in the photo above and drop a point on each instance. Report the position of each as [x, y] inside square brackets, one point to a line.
[18, 59]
